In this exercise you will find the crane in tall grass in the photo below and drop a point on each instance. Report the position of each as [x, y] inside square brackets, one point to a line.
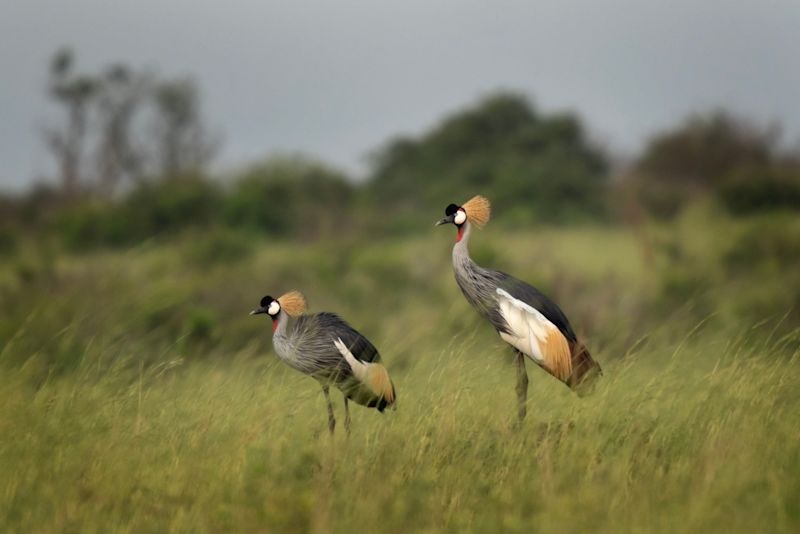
[331, 351]
[525, 318]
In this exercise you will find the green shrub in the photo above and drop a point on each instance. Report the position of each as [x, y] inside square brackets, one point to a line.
[8, 240]
[502, 148]
[151, 209]
[759, 191]
[171, 205]
[82, 226]
[769, 243]
[662, 199]
[200, 325]
[218, 246]
[290, 196]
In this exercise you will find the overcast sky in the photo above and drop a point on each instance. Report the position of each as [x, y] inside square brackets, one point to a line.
[336, 78]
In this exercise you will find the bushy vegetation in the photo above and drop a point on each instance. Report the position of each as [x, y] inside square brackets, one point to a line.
[150, 210]
[284, 197]
[291, 197]
[486, 148]
[718, 154]
[761, 190]
[504, 148]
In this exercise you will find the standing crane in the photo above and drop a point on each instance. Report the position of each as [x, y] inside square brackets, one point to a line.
[328, 349]
[525, 319]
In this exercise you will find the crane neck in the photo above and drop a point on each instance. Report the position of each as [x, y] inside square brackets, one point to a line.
[280, 323]
[464, 233]
[461, 248]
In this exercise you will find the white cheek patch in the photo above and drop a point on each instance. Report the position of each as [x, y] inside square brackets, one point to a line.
[460, 217]
[274, 308]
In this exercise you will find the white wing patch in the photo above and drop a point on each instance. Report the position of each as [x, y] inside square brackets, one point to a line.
[526, 323]
[534, 335]
[373, 375]
[359, 368]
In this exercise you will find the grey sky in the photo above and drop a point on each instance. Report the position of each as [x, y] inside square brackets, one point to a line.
[337, 78]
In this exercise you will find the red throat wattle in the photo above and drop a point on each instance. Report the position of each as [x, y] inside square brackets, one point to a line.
[274, 324]
[460, 233]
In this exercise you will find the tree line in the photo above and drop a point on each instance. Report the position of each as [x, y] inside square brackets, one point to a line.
[133, 150]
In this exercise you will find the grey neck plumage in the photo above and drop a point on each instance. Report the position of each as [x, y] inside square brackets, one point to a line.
[283, 322]
[462, 263]
[287, 343]
[478, 285]
[282, 340]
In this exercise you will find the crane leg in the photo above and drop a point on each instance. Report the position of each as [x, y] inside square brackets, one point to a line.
[522, 388]
[346, 416]
[331, 418]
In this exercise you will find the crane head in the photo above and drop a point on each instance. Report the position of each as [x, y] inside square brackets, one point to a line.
[268, 305]
[476, 210]
[453, 215]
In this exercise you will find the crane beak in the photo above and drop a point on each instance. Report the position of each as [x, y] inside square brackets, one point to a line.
[446, 220]
[263, 309]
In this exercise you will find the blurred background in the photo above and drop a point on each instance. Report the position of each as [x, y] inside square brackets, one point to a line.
[166, 166]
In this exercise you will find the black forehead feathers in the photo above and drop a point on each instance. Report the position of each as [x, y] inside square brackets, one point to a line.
[266, 301]
[450, 210]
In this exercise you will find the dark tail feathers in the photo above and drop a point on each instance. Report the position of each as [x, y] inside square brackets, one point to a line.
[585, 370]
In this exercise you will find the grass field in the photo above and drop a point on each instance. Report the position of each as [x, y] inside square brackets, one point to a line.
[137, 395]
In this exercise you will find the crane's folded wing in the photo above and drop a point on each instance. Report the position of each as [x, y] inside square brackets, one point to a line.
[534, 298]
[319, 329]
[530, 332]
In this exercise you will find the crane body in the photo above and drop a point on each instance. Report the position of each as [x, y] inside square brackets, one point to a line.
[328, 349]
[523, 316]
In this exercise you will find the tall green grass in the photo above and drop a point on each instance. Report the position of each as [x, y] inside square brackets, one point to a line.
[692, 435]
[137, 395]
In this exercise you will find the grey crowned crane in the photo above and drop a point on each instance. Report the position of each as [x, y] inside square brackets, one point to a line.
[328, 349]
[525, 319]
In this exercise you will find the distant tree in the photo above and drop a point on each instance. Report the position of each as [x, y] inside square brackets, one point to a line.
[109, 110]
[183, 144]
[536, 166]
[699, 155]
[291, 195]
[74, 92]
[705, 148]
[120, 95]
[761, 189]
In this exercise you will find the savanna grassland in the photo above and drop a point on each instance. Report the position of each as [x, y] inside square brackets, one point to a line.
[137, 394]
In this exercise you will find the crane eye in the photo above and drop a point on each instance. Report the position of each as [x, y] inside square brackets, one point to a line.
[460, 217]
[274, 308]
